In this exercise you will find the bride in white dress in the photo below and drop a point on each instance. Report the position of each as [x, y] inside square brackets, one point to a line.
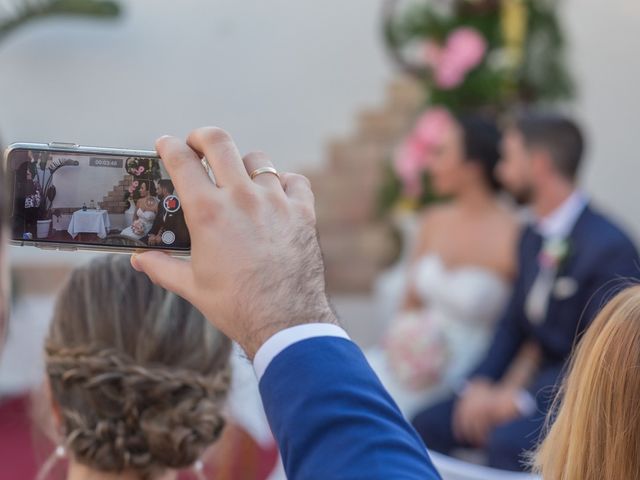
[460, 276]
[146, 211]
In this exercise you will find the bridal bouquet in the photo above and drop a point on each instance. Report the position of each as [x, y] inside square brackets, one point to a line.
[417, 350]
[138, 227]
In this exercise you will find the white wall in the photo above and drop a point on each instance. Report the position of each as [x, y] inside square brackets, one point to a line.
[282, 75]
[606, 62]
[76, 185]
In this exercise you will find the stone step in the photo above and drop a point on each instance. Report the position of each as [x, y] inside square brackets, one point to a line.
[405, 93]
[383, 124]
[359, 154]
[373, 242]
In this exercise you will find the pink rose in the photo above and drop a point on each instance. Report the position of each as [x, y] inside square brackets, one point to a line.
[414, 154]
[135, 183]
[466, 47]
[464, 50]
[408, 165]
[433, 125]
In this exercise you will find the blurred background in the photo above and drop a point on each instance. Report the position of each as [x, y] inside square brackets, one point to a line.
[330, 89]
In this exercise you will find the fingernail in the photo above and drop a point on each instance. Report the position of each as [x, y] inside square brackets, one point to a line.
[134, 262]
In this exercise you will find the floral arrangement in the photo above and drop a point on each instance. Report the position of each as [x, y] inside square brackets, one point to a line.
[415, 152]
[470, 55]
[143, 170]
[553, 254]
[134, 166]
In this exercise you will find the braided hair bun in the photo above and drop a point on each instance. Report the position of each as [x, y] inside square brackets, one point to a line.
[139, 376]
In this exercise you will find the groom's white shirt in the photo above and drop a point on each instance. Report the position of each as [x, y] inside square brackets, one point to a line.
[560, 222]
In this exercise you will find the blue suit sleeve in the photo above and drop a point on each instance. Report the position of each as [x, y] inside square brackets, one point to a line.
[507, 339]
[619, 268]
[333, 419]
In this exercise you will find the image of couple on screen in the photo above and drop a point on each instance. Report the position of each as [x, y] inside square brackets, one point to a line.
[158, 219]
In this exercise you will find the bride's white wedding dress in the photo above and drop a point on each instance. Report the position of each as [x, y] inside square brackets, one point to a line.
[146, 218]
[445, 339]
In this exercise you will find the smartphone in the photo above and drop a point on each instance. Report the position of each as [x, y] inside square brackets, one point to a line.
[69, 197]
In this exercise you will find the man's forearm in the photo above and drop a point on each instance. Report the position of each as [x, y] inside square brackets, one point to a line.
[332, 417]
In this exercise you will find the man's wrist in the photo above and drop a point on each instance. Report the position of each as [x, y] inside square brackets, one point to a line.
[283, 339]
[256, 338]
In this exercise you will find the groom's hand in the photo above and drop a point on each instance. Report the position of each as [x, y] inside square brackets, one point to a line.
[255, 266]
[471, 414]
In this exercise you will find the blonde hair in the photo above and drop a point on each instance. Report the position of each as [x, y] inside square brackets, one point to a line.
[596, 431]
[138, 375]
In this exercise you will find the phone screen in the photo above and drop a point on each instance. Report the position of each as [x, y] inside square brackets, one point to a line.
[74, 198]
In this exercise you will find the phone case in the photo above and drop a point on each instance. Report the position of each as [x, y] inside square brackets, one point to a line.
[73, 148]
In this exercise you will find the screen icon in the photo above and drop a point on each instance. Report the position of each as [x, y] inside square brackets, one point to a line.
[168, 237]
[171, 203]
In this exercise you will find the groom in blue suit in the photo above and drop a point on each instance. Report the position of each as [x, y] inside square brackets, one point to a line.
[571, 260]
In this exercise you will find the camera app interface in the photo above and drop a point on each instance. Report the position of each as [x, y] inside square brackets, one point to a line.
[62, 197]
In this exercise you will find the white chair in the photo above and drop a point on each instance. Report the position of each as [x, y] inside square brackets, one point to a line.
[454, 469]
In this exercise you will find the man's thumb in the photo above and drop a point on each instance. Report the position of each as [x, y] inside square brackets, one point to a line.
[168, 272]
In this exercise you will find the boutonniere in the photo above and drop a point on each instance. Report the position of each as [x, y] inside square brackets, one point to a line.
[554, 253]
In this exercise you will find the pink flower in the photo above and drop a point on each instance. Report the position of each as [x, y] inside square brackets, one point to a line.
[463, 51]
[414, 154]
[433, 125]
[467, 47]
[135, 183]
[140, 170]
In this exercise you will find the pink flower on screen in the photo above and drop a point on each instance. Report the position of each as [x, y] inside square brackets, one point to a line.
[135, 183]
[413, 156]
[463, 51]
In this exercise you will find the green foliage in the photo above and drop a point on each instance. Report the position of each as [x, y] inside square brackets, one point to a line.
[541, 76]
[22, 12]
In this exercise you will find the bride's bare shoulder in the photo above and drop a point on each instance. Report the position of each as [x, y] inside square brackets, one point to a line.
[437, 213]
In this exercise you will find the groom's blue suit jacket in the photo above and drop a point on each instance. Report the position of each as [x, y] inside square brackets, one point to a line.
[601, 261]
[333, 419]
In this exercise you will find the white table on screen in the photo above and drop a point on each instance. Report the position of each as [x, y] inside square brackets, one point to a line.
[89, 221]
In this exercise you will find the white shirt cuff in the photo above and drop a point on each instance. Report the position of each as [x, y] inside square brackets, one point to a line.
[287, 337]
[525, 403]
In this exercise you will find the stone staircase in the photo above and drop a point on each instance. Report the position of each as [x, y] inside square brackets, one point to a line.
[114, 202]
[356, 242]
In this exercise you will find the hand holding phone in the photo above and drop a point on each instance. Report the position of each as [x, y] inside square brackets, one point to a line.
[255, 264]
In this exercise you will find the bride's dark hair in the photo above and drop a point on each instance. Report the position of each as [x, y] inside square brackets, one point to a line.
[482, 144]
[138, 375]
